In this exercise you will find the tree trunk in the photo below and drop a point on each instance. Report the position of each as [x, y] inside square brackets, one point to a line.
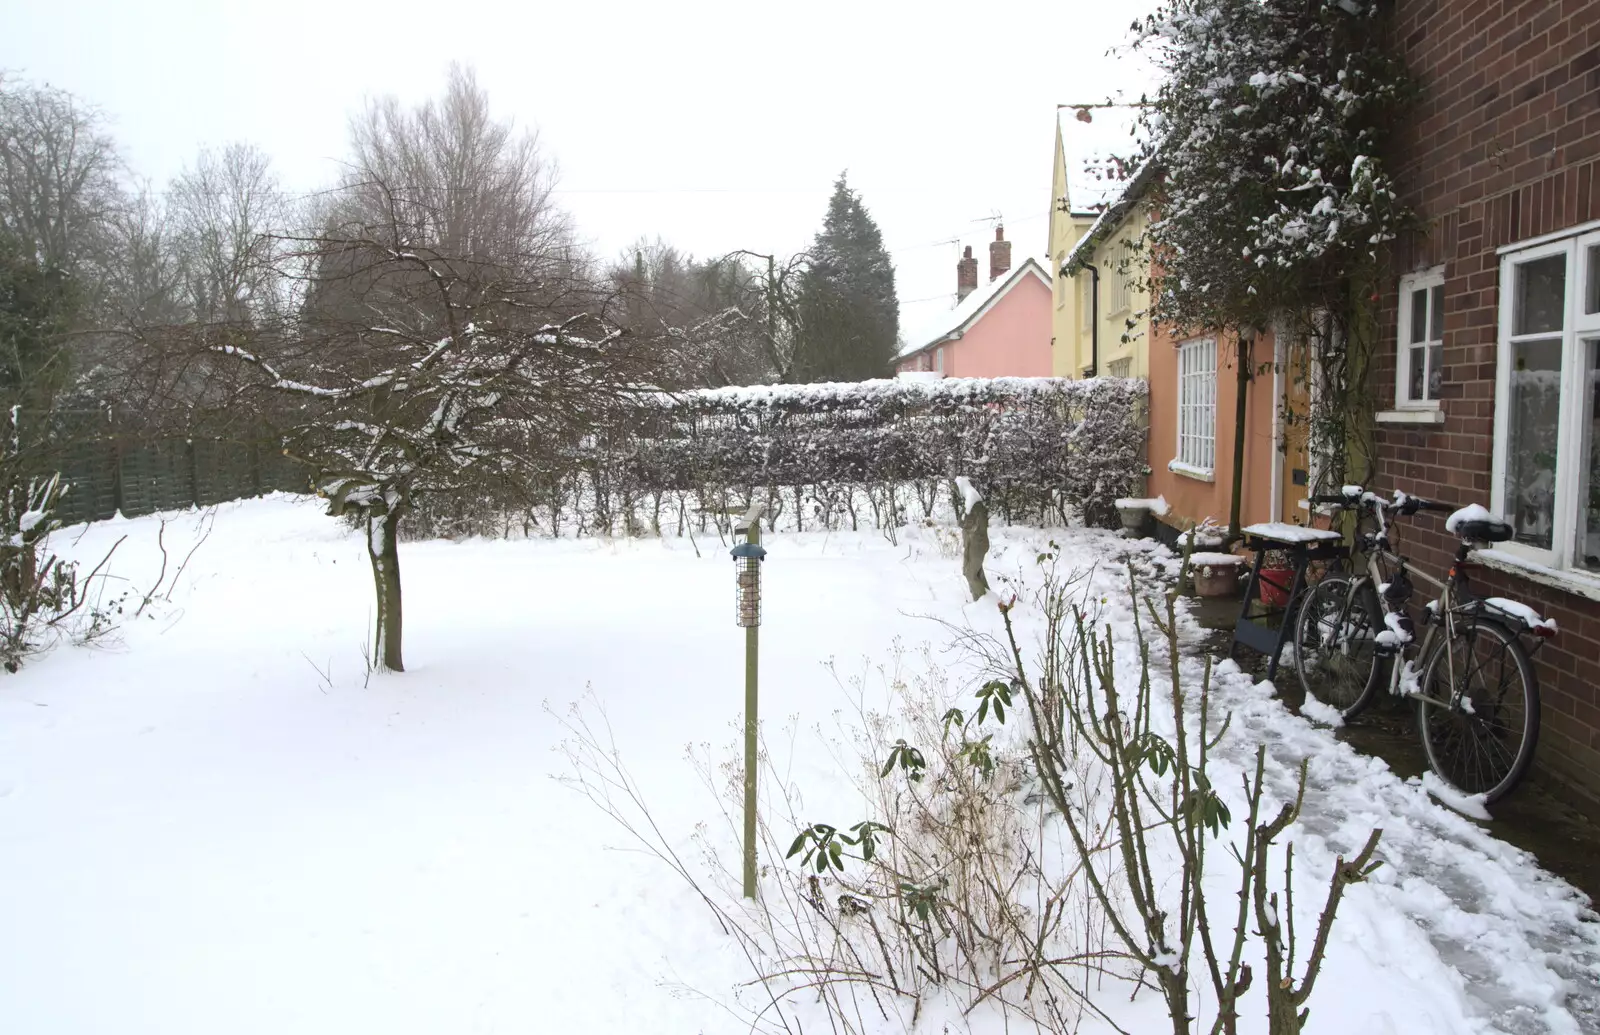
[383, 542]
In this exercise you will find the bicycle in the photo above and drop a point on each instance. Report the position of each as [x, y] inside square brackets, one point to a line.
[1476, 693]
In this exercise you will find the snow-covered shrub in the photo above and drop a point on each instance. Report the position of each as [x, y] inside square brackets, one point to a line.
[40, 592]
[874, 453]
[1269, 129]
[1270, 200]
[964, 898]
[1029, 836]
[1035, 446]
[1121, 750]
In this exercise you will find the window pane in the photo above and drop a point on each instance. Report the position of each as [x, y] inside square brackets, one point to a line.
[1587, 553]
[1418, 360]
[1435, 370]
[1591, 291]
[1419, 316]
[1534, 409]
[1540, 295]
[1436, 314]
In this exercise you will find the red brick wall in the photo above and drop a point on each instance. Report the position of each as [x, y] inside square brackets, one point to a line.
[1503, 145]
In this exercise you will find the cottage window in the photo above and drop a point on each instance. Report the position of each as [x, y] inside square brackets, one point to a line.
[1122, 287]
[1419, 361]
[1197, 406]
[1546, 464]
[1121, 367]
[1085, 299]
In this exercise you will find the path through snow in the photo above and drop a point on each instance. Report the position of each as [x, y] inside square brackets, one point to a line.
[1525, 943]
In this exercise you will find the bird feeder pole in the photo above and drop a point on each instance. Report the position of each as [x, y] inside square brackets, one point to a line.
[747, 560]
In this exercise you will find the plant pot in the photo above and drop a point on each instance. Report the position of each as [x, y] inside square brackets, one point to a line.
[1274, 584]
[1135, 521]
[1215, 577]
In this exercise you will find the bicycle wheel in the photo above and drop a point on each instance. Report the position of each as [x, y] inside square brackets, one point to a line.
[1335, 653]
[1485, 745]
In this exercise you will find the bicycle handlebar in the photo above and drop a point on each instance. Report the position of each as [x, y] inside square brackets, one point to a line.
[1402, 503]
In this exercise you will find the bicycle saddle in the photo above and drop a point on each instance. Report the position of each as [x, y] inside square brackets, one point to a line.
[1484, 530]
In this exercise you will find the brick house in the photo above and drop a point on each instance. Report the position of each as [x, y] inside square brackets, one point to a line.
[1488, 361]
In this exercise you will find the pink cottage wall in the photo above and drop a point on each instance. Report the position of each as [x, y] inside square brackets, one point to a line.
[1012, 339]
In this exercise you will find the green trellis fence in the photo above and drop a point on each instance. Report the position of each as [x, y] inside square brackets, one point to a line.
[109, 474]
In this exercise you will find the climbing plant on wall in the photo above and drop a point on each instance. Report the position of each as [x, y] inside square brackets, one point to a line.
[1274, 201]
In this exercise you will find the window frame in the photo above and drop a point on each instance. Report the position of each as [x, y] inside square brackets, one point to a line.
[1576, 331]
[1086, 313]
[1421, 280]
[1189, 411]
[1121, 288]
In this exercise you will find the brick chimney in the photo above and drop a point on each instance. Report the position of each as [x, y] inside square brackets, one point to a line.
[999, 253]
[967, 274]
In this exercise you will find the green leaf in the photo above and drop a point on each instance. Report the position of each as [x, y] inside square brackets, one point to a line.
[799, 843]
[888, 767]
[953, 717]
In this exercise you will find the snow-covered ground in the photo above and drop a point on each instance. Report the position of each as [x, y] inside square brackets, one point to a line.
[217, 822]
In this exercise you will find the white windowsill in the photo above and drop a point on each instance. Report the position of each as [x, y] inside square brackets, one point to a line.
[1581, 583]
[1199, 474]
[1418, 415]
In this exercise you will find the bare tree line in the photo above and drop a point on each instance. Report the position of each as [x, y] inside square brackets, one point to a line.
[386, 333]
[427, 327]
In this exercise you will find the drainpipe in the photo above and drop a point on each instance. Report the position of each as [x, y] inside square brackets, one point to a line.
[1246, 339]
[1094, 320]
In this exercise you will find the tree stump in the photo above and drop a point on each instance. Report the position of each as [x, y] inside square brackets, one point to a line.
[975, 546]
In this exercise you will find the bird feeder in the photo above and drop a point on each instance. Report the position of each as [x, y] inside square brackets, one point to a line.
[747, 558]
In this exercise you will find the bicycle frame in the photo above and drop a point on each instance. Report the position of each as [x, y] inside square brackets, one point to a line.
[1443, 610]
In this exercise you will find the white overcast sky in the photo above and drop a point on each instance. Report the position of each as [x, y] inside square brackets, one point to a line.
[713, 125]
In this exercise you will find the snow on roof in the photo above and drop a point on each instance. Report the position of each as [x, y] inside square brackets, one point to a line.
[948, 323]
[1086, 144]
[1113, 215]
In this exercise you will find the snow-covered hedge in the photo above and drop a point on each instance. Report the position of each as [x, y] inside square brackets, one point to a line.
[1032, 445]
[873, 453]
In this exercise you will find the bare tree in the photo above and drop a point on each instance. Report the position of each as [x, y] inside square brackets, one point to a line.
[431, 374]
[448, 176]
[707, 313]
[779, 315]
[60, 182]
[227, 215]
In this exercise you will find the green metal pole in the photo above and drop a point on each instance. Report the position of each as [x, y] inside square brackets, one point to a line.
[752, 635]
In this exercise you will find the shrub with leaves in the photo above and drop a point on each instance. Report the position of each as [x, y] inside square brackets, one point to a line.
[1269, 130]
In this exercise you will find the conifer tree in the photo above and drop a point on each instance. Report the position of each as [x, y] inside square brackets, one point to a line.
[850, 317]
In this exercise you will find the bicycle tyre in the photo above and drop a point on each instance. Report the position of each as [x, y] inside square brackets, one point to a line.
[1447, 734]
[1345, 679]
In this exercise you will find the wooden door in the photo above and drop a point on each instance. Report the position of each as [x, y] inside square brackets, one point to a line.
[1294, 417]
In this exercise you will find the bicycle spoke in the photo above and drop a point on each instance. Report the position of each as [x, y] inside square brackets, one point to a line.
[1478, 745]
